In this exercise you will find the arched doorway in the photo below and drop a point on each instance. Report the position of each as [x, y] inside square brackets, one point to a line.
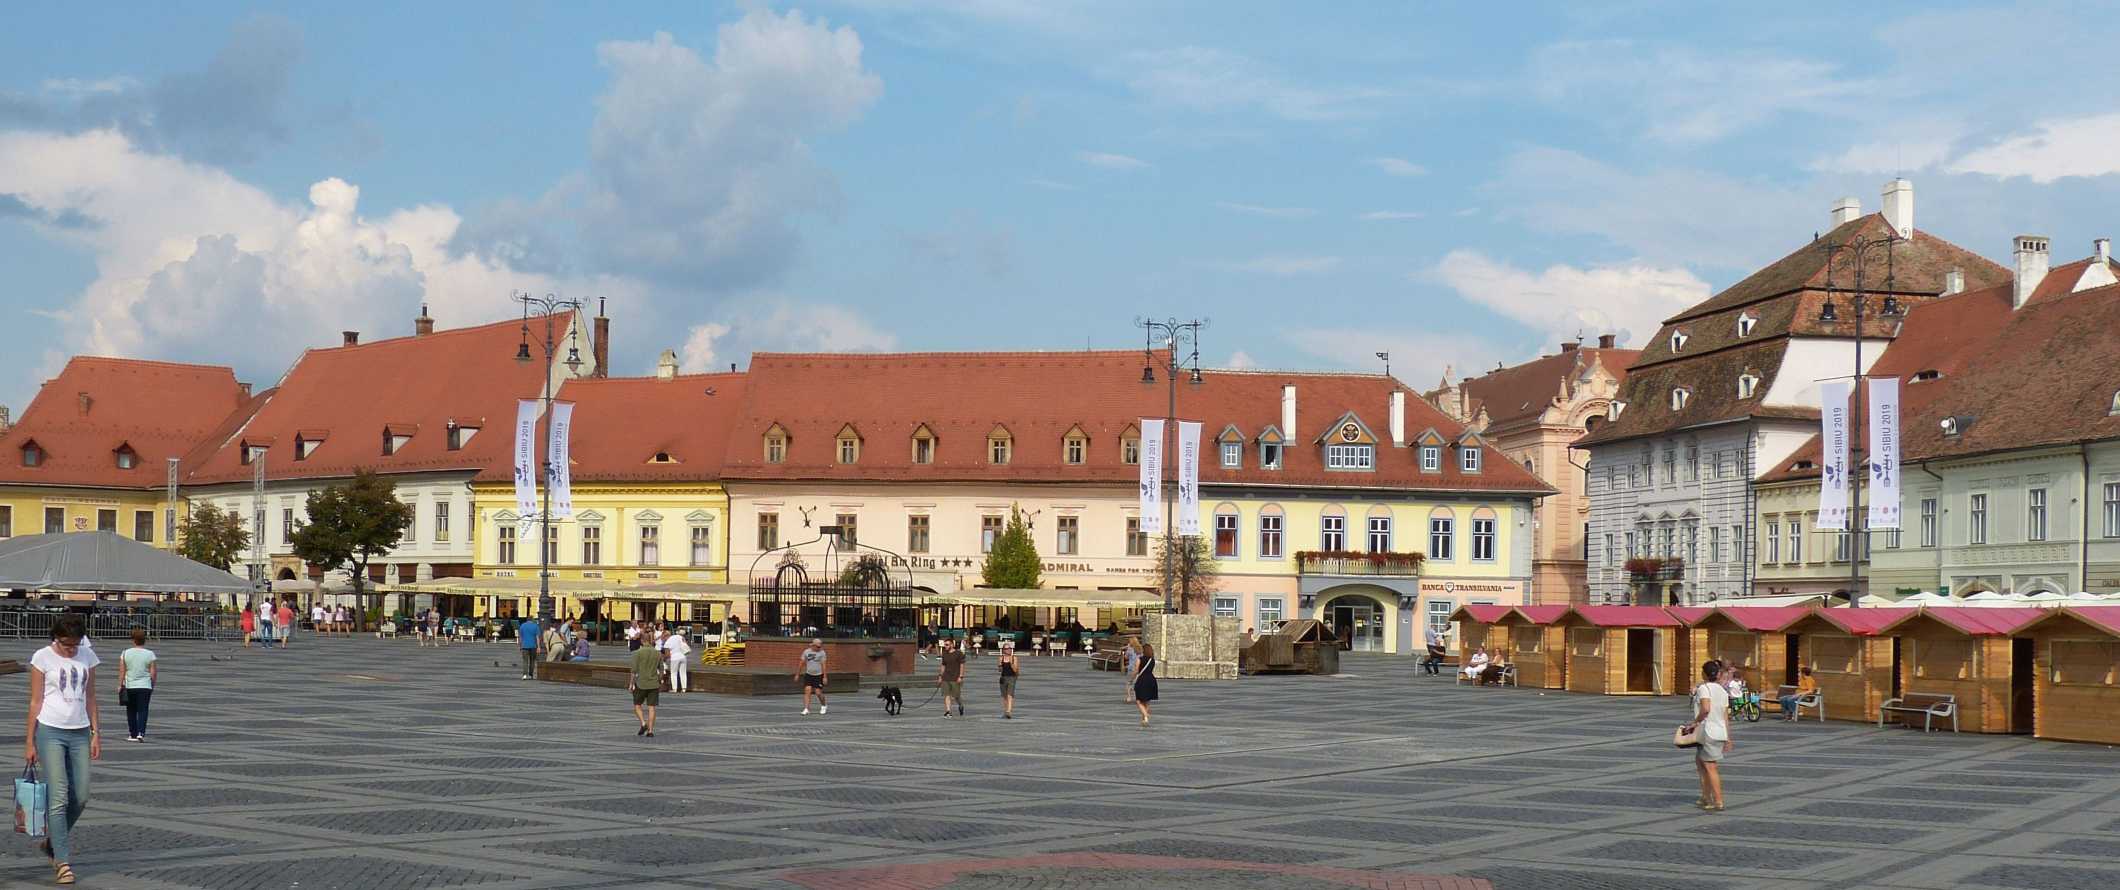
[286, 574]
[1362, 621]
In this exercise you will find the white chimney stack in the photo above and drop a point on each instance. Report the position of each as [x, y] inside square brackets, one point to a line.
[1288, 412]
[1398, 418]
[1954, 282]
[1899, 207]
[2103, 248]
[1845, 211]
[2031, 268]
[666, 365]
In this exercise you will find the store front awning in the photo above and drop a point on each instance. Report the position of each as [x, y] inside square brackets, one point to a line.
[584, 589]
[1046, 599]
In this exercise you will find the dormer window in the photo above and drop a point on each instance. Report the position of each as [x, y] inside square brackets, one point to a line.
[848, 445]
[662, 457]
[1678, 340]
[1469, 457]
[1000, 446]
[249, 453]
[1074, 449]
[2115, 409]
[305, 445]
[1747, 384]
[1350, 457]
[126, 457]
[459, 436]
[1679, 396]
[1614, 410]
[32, 454]
[1805, 465]
[1231, 444]
[395, 438]
[1745, 321]
[1271, 444]
[923, 445]
[776, 442]
[1926, 375]
[1431, 458]
[1950, 426]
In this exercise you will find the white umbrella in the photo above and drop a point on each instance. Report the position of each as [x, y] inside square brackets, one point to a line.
[2044, 598]
[1924, 598]
[1988, 598]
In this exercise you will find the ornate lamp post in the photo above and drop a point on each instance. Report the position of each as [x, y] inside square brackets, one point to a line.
[1176, 335]
[1857, 253]
[549, 307]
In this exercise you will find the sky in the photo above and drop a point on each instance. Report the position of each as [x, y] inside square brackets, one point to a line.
[1457, 185]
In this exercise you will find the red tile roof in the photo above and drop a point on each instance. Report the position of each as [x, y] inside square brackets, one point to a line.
[468, 376]
[1764, 618]
[1037, 398]
[2053, 385]
[1481, 613]
[2105, 618]
[622, 423]
[1690, 615]
[1998, 621]
[1519, 394]
[1625, 616]
[1542, 614]
[1863, 622]
[96, 405]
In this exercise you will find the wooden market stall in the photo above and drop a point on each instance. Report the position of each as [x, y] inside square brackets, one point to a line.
[1685, 660]
[1620, 650]
[1856, 666]
[1969, 653]
[2076, 660]
[1299, 646]
[1537, 644]
[1476, 629]
[1750, 639]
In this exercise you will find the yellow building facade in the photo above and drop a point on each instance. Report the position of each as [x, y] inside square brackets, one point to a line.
[622, 535]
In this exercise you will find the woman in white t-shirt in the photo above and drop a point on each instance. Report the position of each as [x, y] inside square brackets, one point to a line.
[676, 648]
[1711, 714]
[64, 732]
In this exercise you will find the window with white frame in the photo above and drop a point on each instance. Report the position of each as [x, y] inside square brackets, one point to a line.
[1270, 536]
[923, 448]
[989, 532]
[702, 545]
[1077, 449]
[1431, 458]
[1332, 533]
[2035, 515]
[1130, 450]
[1747, 384]
[1773, 540]
[1469, 457]
[1232, 455]
[592, 545]
[1679, 395]
[1380, 534]
[849, 449]
[1611, 554]
[1796, 540]
[1714, 544]
[1840, 546]
[849, 530]
[441, 522]
[1678, 340]
[998, 449]
[1270, 455]
[1226, 534]
[917, 531]
[2112, 509]
[650, 545]
[1745, 321]
[768, 531]
[1670, 466]
[506, 538]
[1737, 543]
[1069, 535]
[1928, 522]
[1440, 537]
[1350, 457]
[1482, 540]
[1269, 609]
[1976, 519]
[1439, 610]
[1225, 607]
[1692, 462]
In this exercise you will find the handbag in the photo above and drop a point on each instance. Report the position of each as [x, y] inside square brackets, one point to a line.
[32, 796]
[1687, 736]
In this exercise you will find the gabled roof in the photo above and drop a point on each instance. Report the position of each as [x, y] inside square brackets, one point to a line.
[1859, 622]
[1541, 614]
[79, 418]
[1978, 621]
[621, 423]
[1763, 618]
[1521, 393]
[1690, 615]
[2103, 618]
[1037, 396]
[1481, 613]
[2048, 380]
[1624, 616]
[467, 375]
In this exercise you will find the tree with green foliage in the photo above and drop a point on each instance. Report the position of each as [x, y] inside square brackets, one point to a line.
[350, 525]
[213, 536]
[1190, 569]
[1013, 563]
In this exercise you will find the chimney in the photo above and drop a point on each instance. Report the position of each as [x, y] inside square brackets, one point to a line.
[1604, 341]
[353, 338]
[600, 341]
[2031, 268]
[1899, 207]
[1398, 418]
[1953, 282]
[1845, 211]
[666, 366]
[4, 422]
[2103, 250]
[243, 388]
[82, 398]
[1568, 346]
[1288, 412]
[422, 326]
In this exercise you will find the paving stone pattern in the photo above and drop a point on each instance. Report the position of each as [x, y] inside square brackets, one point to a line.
[363, 763]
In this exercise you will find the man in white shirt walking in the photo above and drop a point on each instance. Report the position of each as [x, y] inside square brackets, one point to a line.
[676, 648]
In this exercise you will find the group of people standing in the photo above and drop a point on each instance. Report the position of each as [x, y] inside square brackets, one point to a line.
[270, 621]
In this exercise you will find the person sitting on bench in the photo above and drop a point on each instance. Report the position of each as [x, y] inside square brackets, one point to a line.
[1492, 674]
[1433, 664]
[1805, 685]
[1475, 664]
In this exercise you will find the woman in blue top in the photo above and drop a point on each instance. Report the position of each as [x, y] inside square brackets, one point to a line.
[136, 684]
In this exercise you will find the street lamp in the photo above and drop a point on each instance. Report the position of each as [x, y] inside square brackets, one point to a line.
[1857, 253]
[1176, 335]
[547, 306]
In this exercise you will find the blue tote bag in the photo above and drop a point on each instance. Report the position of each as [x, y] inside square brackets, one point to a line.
[31, 797]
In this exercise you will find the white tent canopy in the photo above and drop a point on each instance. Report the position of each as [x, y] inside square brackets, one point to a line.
[105, 562]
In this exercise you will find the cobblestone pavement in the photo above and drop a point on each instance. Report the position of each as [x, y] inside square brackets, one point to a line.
[363, 763]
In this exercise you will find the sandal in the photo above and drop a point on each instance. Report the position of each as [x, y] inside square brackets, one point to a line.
[63, 873]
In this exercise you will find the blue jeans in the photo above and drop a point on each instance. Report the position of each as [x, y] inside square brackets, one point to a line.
[1788, 706]
[62, 756]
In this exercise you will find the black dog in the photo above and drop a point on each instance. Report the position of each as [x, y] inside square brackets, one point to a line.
[893, 700]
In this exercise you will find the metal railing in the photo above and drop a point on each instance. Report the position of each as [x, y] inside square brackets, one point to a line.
[111, 621]
[1333, 565]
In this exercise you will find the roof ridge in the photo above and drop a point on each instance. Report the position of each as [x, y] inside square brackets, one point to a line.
[438, 333]
[965, 354]
[159, 363]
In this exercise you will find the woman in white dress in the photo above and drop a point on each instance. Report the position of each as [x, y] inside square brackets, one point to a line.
[1475, 664]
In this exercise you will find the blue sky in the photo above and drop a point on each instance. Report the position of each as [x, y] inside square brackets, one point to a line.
[1454, 183]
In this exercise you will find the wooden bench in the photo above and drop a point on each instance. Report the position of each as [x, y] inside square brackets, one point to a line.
[609, 675]
[1929, 705]
[1815, 700]
[1507, 678]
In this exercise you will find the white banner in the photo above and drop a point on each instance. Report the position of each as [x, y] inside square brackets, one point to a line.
[1151, 477]
[1833, 464]
[1188, 478]
[525, 458]
[556, 452]
[1884, 452]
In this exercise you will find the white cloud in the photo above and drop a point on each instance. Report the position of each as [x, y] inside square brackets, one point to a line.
[1564, 301]
[1417, 356]
[698, 353]
[1688, 96]
[2057, 148]
[1110, 161]
[1214, 80]
[1898, 146]
[774, 323]
[1240, 360]
[1287, 266]
[1273, 212]
[1390, 215]
[1398, 166]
